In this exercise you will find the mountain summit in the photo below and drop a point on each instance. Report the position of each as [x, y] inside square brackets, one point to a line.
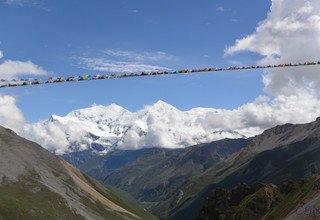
[104, 128]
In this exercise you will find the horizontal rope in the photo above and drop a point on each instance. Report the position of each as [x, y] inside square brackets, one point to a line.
[27, 82]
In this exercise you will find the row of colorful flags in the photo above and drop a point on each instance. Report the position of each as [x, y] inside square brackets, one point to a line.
[31, 81]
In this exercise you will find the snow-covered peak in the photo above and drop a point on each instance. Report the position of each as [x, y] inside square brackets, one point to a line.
[161, 106]
[97, 112]
[55, 118]
[159, 110]
[99, 109]
[103, 128]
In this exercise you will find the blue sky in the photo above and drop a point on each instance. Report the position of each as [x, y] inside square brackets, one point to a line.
[76, 37]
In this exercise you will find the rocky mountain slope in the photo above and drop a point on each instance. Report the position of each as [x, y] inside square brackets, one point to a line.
[36, 184]
[105, 128]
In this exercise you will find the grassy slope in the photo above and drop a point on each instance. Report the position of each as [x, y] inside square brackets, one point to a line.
[29, 199]
[121, 198]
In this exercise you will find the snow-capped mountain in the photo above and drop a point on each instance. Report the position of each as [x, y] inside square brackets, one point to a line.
[103, 128]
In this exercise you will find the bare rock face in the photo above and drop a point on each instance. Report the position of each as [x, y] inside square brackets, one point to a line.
[36, 184]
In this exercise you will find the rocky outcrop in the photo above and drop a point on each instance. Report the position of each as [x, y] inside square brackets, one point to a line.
[262, 201]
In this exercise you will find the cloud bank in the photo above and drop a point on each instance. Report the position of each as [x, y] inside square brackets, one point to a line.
[158, 125]
[113, 127]
[162, 125]
[290, 33]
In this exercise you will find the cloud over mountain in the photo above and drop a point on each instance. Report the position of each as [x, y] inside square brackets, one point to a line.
[104, 128]
[290, 33]
[10, 114]
[113, 127]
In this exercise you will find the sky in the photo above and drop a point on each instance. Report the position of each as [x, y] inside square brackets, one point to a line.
[78, 37]
[51, 38]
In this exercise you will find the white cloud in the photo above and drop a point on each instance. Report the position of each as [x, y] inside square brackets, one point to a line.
[126, 61]
[220, 8]
[10, 69]
[223, 9]
[10, 115]
[264, 113]
[48, 135]
[290, 33]
[29, 3]
[138, 57]
[54, 137]
[133, 11]
[100, 64]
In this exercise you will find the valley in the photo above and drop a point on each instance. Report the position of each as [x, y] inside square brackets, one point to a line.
[173, 183]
